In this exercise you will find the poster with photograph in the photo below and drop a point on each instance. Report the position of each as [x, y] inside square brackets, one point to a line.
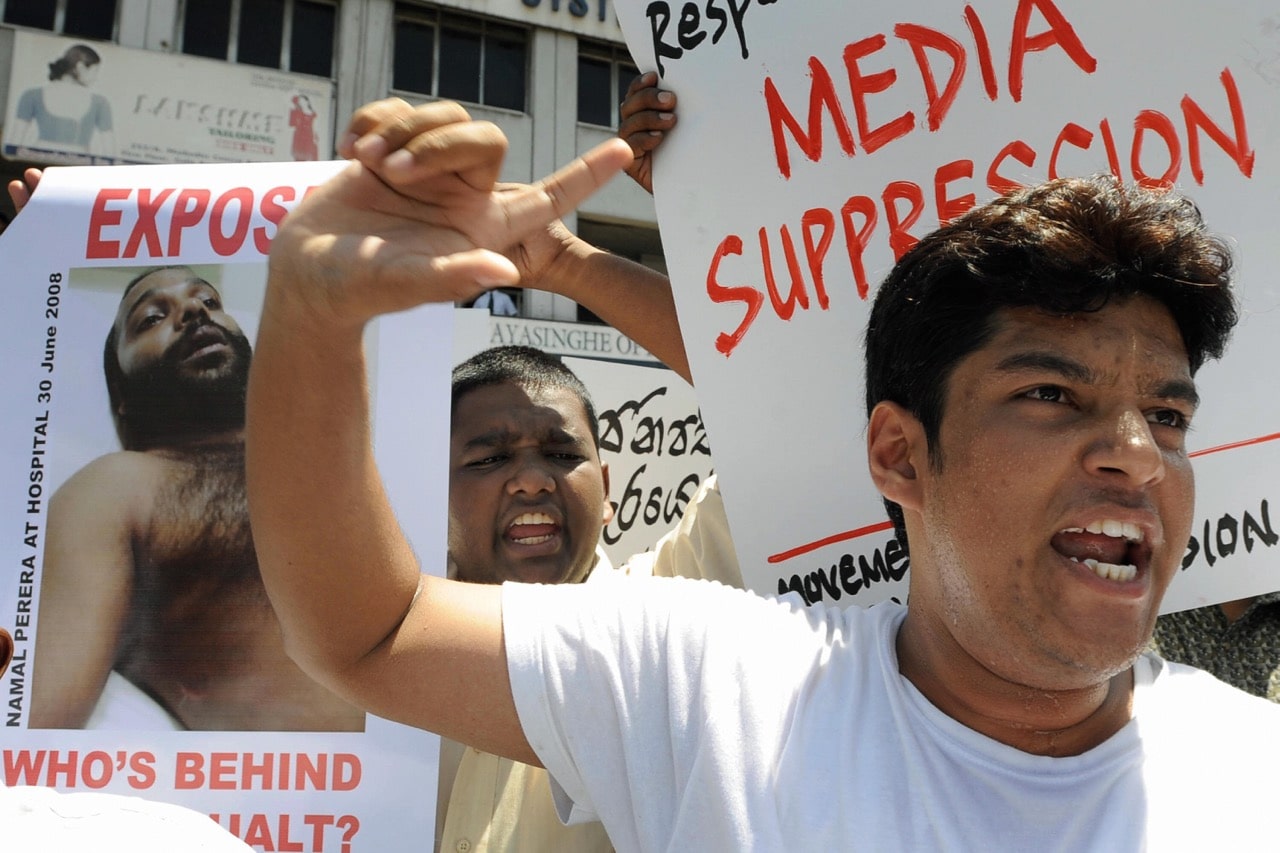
[78, 103]
[148, 659]
[818, 141]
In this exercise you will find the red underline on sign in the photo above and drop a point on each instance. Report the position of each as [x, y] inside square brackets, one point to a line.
[879, 527]
[1246, 443]
[831, 540]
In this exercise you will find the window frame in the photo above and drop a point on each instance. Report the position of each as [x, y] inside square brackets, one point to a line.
[60, 21]
[616, 56]
[436, 18]
[286, 36]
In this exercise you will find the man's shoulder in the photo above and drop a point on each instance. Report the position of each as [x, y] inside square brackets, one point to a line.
[125, 464]
[116, 476]
[1204, 745]
[1183, 699]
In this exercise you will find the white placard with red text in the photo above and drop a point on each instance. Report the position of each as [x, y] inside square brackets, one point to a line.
[66, 257]
[818, 139]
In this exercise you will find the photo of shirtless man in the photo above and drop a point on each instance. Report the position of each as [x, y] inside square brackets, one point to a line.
[152, 613]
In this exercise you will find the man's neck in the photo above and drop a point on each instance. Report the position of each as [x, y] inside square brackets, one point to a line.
[1038, 721]
[196, 442]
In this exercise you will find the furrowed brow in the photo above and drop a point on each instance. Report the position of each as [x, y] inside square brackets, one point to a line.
[561, 436]
[490, 438]
[1046, 362]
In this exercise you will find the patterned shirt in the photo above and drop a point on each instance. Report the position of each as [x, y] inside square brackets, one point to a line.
[1244, 653]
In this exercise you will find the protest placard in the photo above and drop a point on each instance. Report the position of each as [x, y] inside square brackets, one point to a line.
[270, 754]
[817, 142]
[653, 440]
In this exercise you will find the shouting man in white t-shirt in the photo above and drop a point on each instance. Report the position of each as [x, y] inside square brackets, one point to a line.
[1030, 385]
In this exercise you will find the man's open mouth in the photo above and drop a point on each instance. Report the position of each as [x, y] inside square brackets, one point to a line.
[532, 528]
[204, 340]
[1113, 550]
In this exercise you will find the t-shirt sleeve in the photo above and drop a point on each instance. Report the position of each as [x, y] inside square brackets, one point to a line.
[629, 691]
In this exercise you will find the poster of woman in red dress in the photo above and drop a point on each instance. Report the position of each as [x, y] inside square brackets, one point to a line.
[302, 119]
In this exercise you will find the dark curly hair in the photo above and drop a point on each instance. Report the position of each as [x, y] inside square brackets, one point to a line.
[1068, 246]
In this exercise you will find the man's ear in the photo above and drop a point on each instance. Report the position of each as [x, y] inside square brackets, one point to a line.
[608, 507]
[6, 650]
[896, 453]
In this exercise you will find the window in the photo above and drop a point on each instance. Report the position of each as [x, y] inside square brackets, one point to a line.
[292, 35]
[94, 19]
[445, 55]
[604, 73]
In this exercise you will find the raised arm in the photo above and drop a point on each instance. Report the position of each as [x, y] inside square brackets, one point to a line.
[415, 219]
[86, 583]
[632, 298]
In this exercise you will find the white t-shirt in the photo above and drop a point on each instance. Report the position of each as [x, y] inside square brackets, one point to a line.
[688, 716]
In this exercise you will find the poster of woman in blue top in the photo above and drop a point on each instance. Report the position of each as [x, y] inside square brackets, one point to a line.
[65, 113]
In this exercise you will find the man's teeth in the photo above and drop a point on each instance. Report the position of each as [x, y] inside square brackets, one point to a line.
[533, 518]
[1126, 530]
[1109, 571]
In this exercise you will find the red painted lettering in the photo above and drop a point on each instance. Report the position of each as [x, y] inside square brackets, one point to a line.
[1159, 123]
[784, 309]
[899, 240]
[862, 85]
[856, 240]
[1196, 119]
[949, 208]
[1060, 32]
[1109, 145]
[983, 46]
[919, 38]
[1071, 134]
[821, 96]
[754, 299]
[815, 253]
[1018, 150]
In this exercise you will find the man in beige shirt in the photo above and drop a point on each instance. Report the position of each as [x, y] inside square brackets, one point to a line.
[524, 455]
[495, 804]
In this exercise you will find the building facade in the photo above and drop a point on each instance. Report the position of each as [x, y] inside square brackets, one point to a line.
[244, 80]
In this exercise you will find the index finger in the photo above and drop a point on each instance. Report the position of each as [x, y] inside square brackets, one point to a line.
[563, 190]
